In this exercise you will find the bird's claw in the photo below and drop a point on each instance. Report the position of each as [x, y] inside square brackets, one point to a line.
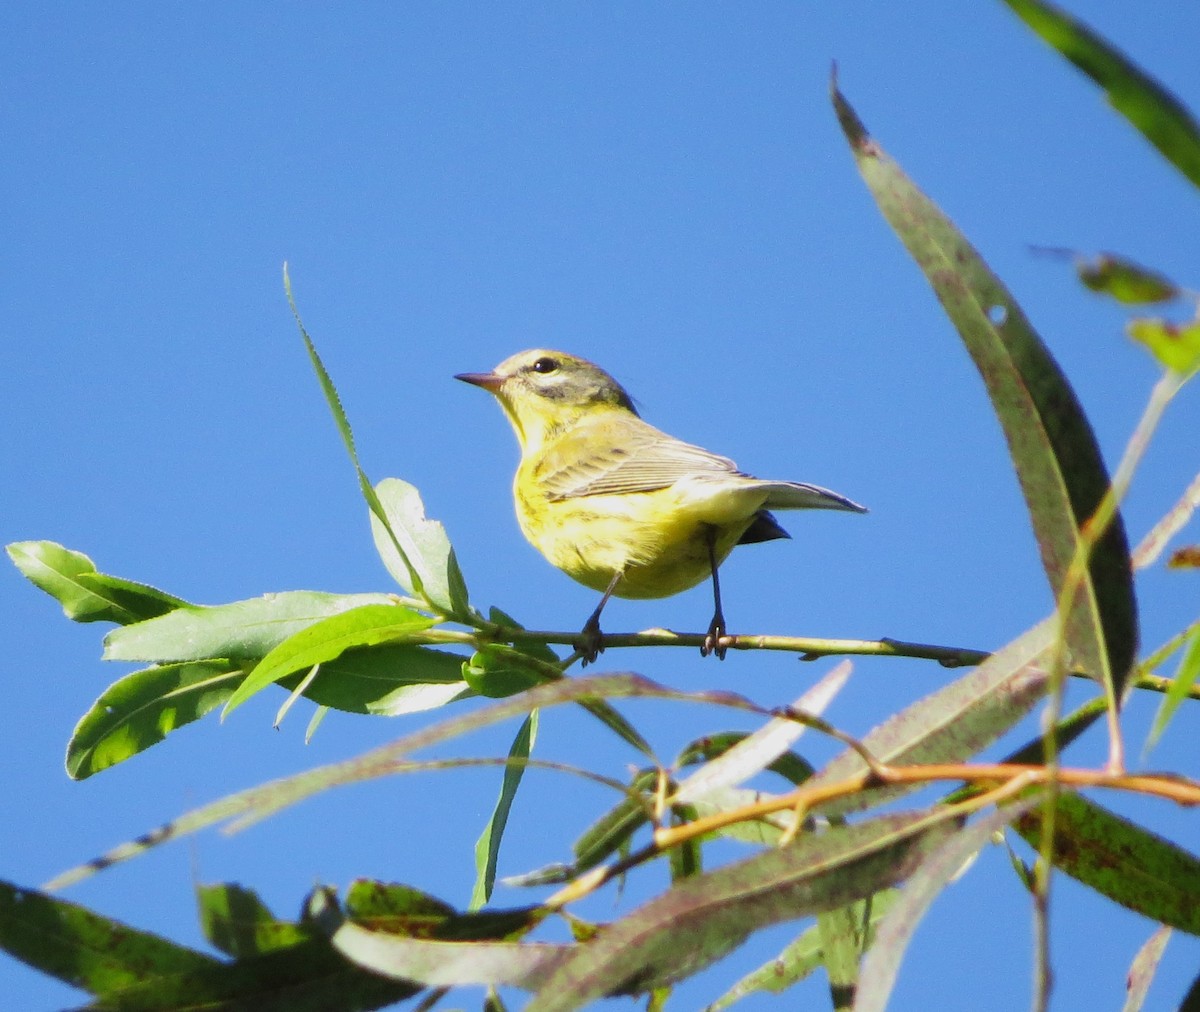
[590, 641]
[712, 639]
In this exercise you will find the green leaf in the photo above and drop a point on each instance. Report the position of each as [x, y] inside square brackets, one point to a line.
[804, 955]
[1055, 453]
[85, 594]
[498, 671]
[365, 626]
[1121, 860]
[83, 949]
[686, 858]
[1150, 107]
[133, 970]
[395, 907]
[1176, 346]
[841, 933]
[142, 708]
[487, 847]
[703, 918]
[387, 680]
[238, 923]
[244, 630]
[1066, 732]
[410, 543]
[952, 724]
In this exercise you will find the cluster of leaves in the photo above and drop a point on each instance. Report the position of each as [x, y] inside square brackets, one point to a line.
[825, 848]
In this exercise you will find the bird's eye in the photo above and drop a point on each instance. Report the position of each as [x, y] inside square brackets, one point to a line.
[545, 365]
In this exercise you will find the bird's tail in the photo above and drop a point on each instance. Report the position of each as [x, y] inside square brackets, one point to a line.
[795, 495]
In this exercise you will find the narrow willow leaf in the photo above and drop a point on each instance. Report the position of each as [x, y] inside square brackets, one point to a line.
[297, 691]
[611, 832]
[840, 933]
[1181, 685]
[1053, 448]
[72, 944]
[1176, 346]
[408, 541]
[1142, 970]
[142, 708]
[938, 870]
[86, 595]
[1121, 860]
[1066, 732]
[704, 918]
[801, 957]
[952, 724]
[436, 963]
[244, 630]
[318, 716]
[487, 847]
[686, 859]
[1150, 107]
[261, 802]
[411, 578]
[328, 638]
[238, 923]
[794, 768]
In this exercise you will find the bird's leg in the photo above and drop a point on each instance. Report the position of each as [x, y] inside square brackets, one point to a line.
[716, 628]
[589, 642]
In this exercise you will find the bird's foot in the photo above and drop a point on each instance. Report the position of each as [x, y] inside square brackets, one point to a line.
[590, 641]
[712, 639]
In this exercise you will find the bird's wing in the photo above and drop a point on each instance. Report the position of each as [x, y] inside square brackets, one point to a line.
[631, 456]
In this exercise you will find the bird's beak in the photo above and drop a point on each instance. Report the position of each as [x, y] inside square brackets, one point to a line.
[487, 380]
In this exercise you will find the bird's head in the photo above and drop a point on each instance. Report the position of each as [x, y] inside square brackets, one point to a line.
[544, 392]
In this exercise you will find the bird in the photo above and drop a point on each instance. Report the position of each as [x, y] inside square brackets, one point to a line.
[619, 505]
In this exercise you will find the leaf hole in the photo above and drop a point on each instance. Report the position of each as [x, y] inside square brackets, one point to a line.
[998, 314]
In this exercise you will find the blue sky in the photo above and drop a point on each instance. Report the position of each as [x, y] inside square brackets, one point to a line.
[660, 188]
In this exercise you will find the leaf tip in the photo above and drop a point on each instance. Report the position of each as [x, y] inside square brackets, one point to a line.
[853, 127]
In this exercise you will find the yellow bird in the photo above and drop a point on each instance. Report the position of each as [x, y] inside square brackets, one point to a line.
[620, 506]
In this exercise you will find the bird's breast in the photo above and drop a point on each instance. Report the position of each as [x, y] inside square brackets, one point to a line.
[657, 540]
